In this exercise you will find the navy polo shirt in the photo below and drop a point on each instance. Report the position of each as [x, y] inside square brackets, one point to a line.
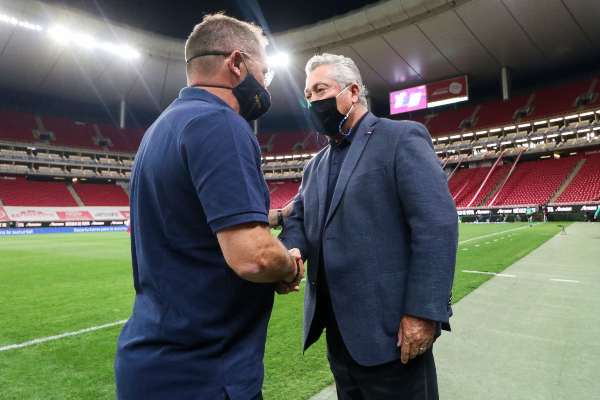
[197, 330]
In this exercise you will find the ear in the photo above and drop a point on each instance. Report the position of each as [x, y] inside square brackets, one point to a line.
[234, 63]
[355, 90]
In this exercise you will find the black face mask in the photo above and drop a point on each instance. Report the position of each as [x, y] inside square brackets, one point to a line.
[325, 116]
[254, 100]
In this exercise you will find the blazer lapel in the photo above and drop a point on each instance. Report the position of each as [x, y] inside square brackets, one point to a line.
[354, 153]
[322, 177]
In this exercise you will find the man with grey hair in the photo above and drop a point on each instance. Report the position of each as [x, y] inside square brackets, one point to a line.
[377, 224]
[205, 265]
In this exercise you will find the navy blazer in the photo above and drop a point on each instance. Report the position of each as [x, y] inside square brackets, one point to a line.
[388, 241]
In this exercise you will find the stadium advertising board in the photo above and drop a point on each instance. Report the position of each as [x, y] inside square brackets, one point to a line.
[407, 100]
[106, 215]
[555, 209]
[447, 91]
[58, 214]
[38, 231]
[431, 95]
[31, 214]
[74, 215]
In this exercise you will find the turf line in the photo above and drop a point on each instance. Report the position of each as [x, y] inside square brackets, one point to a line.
[489, 273]
[61, 336]
[492, 234]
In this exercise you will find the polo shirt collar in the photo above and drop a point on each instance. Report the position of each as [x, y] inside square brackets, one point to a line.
[196, 93]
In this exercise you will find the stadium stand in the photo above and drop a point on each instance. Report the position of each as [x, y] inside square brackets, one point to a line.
[119, 138]
[585, 186]
[282, 192]
[542, 121]
[18, 191]
[534, 182]
[70, 133]
[546, 102]
[95, 194]
[289, 143]
[16, 126]
[477, 199]
[465, 182]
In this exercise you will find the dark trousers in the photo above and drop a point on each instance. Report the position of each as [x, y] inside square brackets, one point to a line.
[258, 397]
[416, 380]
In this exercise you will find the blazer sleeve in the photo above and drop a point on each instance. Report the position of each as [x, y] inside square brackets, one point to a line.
[293, 234]
[431, 215]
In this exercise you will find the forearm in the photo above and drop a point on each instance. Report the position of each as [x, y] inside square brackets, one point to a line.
[255, 255]
[272, 264]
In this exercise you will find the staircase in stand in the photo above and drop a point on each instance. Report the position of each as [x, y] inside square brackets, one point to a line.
[76, 197]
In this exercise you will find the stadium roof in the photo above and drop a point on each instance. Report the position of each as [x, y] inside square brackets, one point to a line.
[50, 49]
[175, 18]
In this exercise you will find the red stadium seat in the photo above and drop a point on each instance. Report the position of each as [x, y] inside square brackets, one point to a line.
[96, 194]
[16, 126]
[534, 182]
[18, 191]
[585, 186]
[282, 192]
[69, 133]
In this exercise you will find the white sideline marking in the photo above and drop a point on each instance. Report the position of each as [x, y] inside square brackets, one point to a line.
[61, 336]
[492, 234]
[564, 280]
[489, 273]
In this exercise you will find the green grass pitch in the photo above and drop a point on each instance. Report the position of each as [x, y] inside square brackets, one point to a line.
[52, 284]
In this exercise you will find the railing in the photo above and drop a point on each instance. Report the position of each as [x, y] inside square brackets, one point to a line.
[486, 178]
[506, 178]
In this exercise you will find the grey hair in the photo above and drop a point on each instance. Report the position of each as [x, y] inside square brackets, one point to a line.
[219, 32]
[344, 72]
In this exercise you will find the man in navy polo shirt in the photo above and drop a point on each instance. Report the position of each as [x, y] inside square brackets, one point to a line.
[205, 265]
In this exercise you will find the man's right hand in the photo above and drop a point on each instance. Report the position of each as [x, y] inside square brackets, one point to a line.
[292, 283]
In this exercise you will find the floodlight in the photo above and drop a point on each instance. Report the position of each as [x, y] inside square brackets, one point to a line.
[278, 60]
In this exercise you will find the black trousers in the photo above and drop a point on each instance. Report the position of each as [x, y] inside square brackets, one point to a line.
[416, 380]
[258, 397]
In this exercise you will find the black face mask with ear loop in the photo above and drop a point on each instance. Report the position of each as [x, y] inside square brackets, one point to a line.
[325, 116]
[253, 98]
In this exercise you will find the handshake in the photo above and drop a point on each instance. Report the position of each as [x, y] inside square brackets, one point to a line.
[292, 284]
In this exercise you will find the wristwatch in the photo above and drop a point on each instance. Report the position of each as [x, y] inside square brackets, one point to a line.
[280, 218]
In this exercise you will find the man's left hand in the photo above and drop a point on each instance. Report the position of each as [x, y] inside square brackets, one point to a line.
[415, 336]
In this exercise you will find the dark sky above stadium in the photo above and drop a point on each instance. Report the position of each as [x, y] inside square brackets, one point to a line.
[177, 17]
